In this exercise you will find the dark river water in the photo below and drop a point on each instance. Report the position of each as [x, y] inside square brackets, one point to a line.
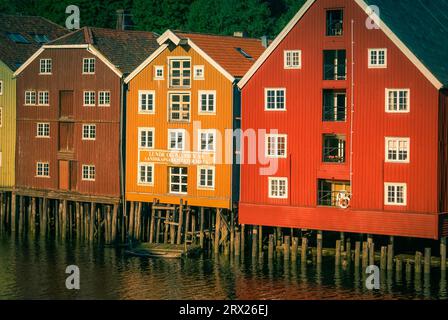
[36, 270]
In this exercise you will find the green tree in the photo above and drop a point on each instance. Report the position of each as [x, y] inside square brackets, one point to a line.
[291, 7]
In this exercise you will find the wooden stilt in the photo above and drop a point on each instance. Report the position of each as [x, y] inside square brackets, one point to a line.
[365, 254]
[181, 221]
[187, 224]
[237, 243]
[357, 253]
[294, 248]
[131, 219]
[260, 240]
[443, 254]
[418, 262]
[390, 257]
[165, 234]
[159, 218]
[217, 230]
[383, 258]
[92, 220]
[114, 222]
[348, 249]
[33, 216]
[232, 231]
[304, 252]
[193, 227]
[319, 247]
[43, 227]
[271, 247]
[64, 218]
[338, 252]
[21, 214]
[151, 228]
[201, 230]
[372, 254]
[427, 264]
[287, 247]
[254, 240]
[243, 239]
[13, 212]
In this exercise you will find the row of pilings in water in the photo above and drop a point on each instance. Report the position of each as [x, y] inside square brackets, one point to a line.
[214, 230]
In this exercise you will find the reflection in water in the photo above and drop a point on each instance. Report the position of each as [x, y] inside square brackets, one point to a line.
[36, 270]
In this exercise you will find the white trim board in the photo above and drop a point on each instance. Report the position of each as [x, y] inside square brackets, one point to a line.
[171, 36]
[388, 32]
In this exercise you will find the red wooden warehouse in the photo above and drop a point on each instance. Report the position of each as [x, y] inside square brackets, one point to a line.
[69, 115]
[353, 100]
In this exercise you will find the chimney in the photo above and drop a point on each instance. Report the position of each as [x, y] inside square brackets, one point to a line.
[120, 19]
[264, 41]
[240, 34]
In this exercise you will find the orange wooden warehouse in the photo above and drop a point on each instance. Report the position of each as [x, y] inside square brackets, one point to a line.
[182, 102]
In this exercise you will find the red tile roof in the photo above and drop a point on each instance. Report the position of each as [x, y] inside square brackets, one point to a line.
[223, 49]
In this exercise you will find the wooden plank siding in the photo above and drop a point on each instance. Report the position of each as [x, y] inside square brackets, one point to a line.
[220, 197]
[302, 121]
[103, 152]
[7, 128]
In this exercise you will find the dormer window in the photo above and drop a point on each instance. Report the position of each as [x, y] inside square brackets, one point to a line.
[335, 18]
[244, 53]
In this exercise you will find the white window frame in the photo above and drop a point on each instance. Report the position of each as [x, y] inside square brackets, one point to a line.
[181, 103]
[386, 196]
[270, 180]
[180, 180]
[147, 93]
[206, 187]
[181, 69]
[103, 93]
[84, 98]
[1, 87]
[292, 66]
[89, 167]
[42, 125]
[32, 94]
[397, 141]
[207, 132]
[195, 69]
[43, 65]
[146, 129]
[42, 164]
[159, 68]
[266, 90]
[266, 144]
[377, 65]
[177, 132]
[89, 125]
[206, 92]
[89, 64]
[139, 181]
[388, 90]
[39, 93]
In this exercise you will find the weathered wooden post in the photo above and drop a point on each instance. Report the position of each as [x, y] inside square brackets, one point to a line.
[348, 249]
[260, 240]
[232, 231]
[398, 265]
[365, 254]
[243, 239]
[43, 229]
[131, 219]
[427, 266]
[237, 243]
[295, 248]
[372, 254]
[390, 257]
[383, 259]
[33, 216]
[201, 230]
[418, 262]
[357, 253]
[338, 252]
[92, 220]
[287, 247]
[408, 267]
[187, 223]
[443, 254]
[13, 212]
[181, 221]
[217, 230]
[254, 241]
[319, 247]
[151, 226]
[271, 247]
[304, 251]
[114, 222]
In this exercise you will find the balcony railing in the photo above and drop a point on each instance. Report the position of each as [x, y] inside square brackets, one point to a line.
[335, 71]
[334, 113]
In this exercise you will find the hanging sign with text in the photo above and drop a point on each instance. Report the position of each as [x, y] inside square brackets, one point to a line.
[185, 158]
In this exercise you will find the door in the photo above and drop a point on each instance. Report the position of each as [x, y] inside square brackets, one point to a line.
[64, 174]
[66, 104]
[73, 175]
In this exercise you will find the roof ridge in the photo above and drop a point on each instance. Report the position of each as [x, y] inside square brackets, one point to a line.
[216, 35]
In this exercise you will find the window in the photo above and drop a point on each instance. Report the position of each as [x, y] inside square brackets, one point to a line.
[180, 73]
[89, 98]
[30, 98]
[397, 150]
[329, 191]
[397, 101]
[88, 65]
[158, 73]
[335, 65]
[1, 87]
[104, 98]
[17, 37]
[146, 138]
[178, 180]
[146, 174]
[207, 102]
[207, 140]
[43, 130]
[334, 105]
[278, 188]
[176, 139]
[395, 194]
[179, 105]
[377, 58]
[45, 66]
[206, 177]
[275, 99]
[198, 73]
[43, 169]
[88, 172]
[43, 98]
[276, 145]
[41, 38]
[146, 102]
[88, 132]
[244, 54]
[335, 19]
[293, 59]
[333, 148]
